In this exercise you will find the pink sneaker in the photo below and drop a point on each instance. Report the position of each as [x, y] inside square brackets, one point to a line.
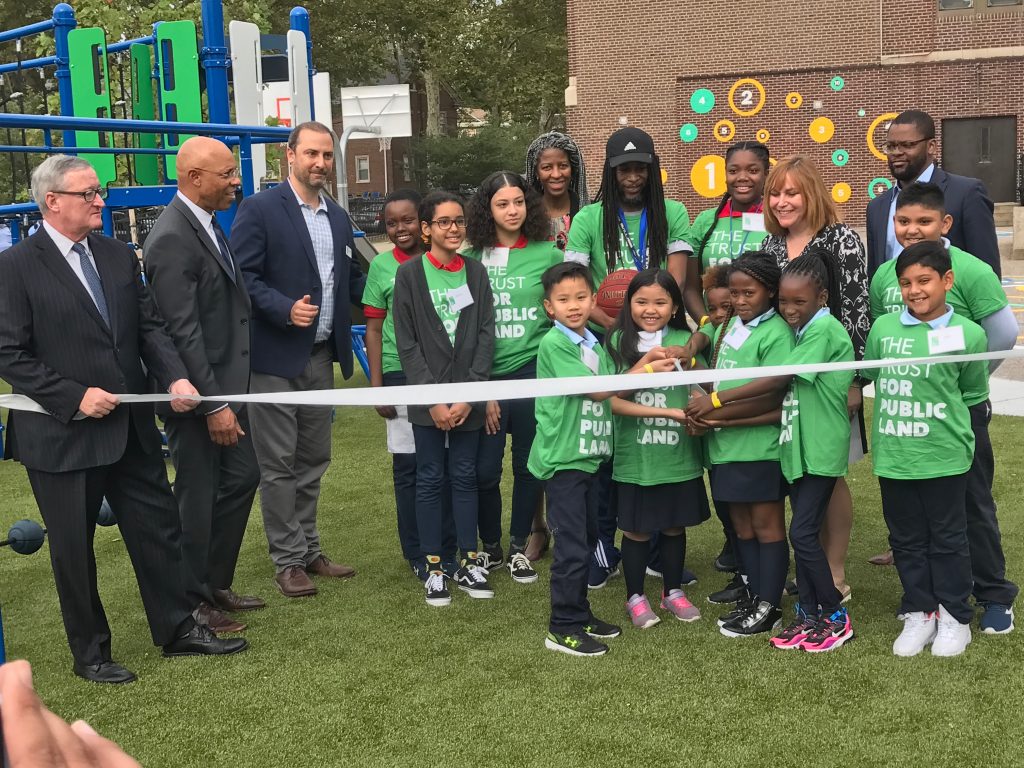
[796, 633]
[676, 603]
[830, 633]
[640, 612]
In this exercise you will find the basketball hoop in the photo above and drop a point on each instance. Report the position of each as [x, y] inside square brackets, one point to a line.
[384, 143]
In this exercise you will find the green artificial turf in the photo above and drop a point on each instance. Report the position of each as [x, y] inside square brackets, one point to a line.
[366, 674]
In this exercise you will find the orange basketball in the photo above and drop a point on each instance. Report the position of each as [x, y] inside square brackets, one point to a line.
[612, 291]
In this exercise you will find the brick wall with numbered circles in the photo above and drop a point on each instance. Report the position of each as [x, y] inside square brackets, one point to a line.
[837, 118]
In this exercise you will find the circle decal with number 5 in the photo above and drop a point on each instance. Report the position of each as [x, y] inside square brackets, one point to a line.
[725, 130]
[708, 176]
[742, 97]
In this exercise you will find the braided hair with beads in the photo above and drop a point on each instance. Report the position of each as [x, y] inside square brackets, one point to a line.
[762, 267]
[819, 264]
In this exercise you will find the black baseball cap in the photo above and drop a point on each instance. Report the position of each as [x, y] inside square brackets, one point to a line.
[629, 145]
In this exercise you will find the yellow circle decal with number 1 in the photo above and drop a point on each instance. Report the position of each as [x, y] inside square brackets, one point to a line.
[821, 129]
[708, 176]
[746, 105]
[841, 192]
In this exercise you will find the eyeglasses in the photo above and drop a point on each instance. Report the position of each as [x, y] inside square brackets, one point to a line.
[895, 147]
[446, 223]
[226, 175]
[88, 194]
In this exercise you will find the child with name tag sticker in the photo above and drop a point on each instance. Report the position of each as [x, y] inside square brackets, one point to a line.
[507, 230]
[743, 447]
[444, 332]
[574, 436]
[923, 449]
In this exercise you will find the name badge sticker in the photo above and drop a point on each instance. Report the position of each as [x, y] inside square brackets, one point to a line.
[495, 257]
[738, 334]
[948, 339]
[460, 298]
[590, 358]
[753, 222]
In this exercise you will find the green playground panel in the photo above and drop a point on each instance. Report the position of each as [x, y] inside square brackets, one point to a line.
[147, 167]
[177, 61]
[90, 94]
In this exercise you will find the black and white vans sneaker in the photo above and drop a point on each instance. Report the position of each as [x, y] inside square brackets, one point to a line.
[762, 617]
[520, 568]
[471, 579]
[488, 558]
[437, 589]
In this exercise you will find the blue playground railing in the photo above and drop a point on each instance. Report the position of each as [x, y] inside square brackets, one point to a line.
[359, 347]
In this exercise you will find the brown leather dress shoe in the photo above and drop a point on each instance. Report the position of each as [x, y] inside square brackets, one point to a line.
[883, 559]
[215, 620]
[227, 600]
[293, 582]
[324, 567]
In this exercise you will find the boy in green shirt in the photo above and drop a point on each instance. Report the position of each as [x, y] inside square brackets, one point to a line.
[923, 447]
[574, 435]
[978, 295]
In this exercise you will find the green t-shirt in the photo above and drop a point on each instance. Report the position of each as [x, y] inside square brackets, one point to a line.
[728, 238]
[378, 295]
[921, 427]
[586, 237]
[441, 283]
[654, 451]
[815, 434]
[573, 431]
[976, 292]
[769, 343]
[519, 317]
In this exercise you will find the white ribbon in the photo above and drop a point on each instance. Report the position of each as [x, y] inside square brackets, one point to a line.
[519, 389]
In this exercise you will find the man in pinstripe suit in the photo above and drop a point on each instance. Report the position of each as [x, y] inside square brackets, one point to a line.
[76, 327]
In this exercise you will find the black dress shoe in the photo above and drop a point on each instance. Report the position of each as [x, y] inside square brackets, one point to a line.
[104, 672]
[200, 641]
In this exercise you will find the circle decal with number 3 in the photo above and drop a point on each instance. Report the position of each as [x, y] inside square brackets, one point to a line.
[708, 176]
[821, 129]
[702, 101]
[741, 97]
[841, 192]
[725, 130]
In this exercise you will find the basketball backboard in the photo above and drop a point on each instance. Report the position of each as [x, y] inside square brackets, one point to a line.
[380, 106]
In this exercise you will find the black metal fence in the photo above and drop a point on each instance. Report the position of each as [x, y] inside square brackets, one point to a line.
[367, 214]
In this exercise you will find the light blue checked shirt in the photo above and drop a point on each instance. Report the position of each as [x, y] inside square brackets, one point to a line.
[319, 226]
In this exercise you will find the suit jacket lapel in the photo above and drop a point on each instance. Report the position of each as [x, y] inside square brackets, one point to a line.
[58, 265]
[204, 237]
[291, 207]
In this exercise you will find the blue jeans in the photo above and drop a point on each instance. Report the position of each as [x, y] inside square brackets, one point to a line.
[517, 419]
[432, 458]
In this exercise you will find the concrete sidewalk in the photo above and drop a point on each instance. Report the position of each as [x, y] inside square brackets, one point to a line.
[1007, 396]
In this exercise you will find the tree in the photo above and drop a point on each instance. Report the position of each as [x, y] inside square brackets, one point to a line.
[460, 162]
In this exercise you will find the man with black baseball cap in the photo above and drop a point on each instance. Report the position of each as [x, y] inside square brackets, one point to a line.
[630, 226]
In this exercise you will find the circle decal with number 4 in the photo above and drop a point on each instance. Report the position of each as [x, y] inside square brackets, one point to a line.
[708, 176]
[821, 129]
[702, 101]
[725, 130]
[742, 99]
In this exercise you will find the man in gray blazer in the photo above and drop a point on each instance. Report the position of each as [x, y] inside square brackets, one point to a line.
[77, 325]
[199, 290]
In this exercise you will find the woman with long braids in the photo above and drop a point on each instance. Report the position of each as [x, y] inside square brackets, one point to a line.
[554, 169]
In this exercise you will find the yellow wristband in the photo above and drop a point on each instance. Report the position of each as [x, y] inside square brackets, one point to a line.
[649, 368]
[703, 320]
[693, 362]
[715, 401]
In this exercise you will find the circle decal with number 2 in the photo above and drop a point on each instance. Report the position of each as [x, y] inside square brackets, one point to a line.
[708, 176]
[742, 97]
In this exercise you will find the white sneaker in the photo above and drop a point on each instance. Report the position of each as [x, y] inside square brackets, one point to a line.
[952, 637]
[919, 630]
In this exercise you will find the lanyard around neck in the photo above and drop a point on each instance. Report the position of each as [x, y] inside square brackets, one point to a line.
[639, 256]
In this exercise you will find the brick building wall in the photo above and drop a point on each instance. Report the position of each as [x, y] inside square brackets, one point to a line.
[798, 47]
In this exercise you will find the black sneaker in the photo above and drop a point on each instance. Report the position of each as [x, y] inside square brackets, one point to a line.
[762, 617]
[437, 589]
[471, 579]
[602, 629]
[726, 560]
[450, 568]
[744, 604]
[489, 558]
[419, 568]
[520, 568]
[577, 644]
[689, 578]
[734, 590]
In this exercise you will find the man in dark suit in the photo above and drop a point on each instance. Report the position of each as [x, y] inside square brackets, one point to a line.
[297, 254]
[76, 326]
[201, 295]
[911, 148]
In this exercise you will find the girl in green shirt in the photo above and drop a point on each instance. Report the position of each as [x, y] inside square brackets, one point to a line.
[507, 232]
[657, 467]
